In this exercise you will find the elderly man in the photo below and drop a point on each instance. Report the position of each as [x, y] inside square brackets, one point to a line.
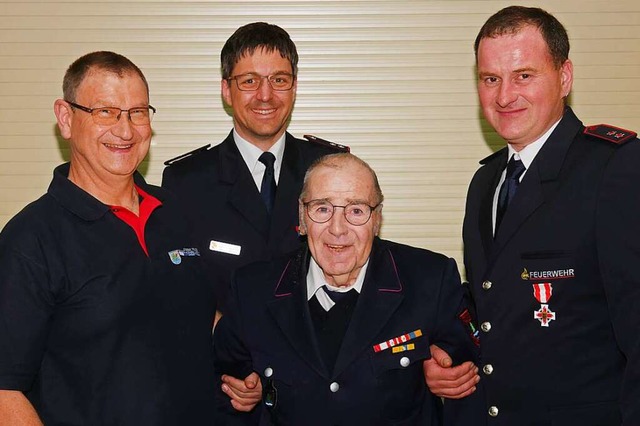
[244, 191]
[105, 316]
[339, 330]
[551, 237]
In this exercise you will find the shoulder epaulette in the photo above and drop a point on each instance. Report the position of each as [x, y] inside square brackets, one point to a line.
[315, 139]
[487, 159]
[610, 133]
[187, 155]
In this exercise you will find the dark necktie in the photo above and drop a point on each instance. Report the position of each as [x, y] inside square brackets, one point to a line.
[268, 187]
[515, 168]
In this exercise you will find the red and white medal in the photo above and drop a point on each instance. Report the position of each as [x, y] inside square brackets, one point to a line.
[542, 293]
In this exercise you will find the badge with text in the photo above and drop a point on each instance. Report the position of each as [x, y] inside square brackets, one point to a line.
[227, 248]
[397, 341]
[543, 292]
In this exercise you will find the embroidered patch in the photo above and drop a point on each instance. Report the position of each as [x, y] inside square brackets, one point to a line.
[467, 321]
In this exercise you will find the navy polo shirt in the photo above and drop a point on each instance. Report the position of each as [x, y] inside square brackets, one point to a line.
[94, 330]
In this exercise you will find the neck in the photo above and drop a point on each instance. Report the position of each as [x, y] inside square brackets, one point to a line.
[118, 191]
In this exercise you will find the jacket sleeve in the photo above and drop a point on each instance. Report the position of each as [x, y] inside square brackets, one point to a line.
[231, 357]
[618, 244]
[456, 333]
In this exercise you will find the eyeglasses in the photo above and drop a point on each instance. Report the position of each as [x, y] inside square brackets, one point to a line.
[108, 116]
[321, 211]
[280, 82]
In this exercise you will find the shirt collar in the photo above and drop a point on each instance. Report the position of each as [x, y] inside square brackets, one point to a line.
[529, 152]
[316, 280]
[250, 153]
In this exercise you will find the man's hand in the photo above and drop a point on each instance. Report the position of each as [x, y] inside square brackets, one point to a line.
[446, 381]
[245, 394]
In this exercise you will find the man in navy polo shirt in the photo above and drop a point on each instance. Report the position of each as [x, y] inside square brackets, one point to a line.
[105, 316]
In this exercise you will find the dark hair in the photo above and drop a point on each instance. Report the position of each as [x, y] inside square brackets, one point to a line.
[258, 35]
[512, 19]
[338, 161]
[102, 60]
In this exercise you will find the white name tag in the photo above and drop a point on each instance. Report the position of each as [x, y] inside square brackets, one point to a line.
[224, 247]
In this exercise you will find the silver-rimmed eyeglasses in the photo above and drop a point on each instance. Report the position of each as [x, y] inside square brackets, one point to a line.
[280, 82]
[108, 116]
[356, 213]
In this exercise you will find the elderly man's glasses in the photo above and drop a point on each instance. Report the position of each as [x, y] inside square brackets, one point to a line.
[108, 116]
[279, 82]
[321, 211]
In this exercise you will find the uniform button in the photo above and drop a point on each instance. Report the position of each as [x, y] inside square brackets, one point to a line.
[488, 369]
[485, 326]
[268, 372]
[493, 411]
[486, 285]
[334, 387]
[404, 361]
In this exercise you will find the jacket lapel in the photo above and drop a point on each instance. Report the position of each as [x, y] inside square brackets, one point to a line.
[541, 180]
[485, 214]
[243, 194]
[289, 186]
[381, 295]
[290, 309]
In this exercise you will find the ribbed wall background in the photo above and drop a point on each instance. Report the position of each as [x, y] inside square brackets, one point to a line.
[392, 79]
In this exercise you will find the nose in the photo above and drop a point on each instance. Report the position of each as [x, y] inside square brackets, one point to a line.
[123, 128]
[507, 94]
[264, 90]
[338, 224]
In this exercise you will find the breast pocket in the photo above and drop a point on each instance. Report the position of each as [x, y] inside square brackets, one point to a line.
[400, 378]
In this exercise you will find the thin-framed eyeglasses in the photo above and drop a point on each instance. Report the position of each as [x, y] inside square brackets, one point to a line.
[280, 82]
[108, 116]
[356, 213]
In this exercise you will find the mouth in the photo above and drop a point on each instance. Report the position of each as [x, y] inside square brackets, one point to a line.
[264, 111]
[337, 248]
[118, 147]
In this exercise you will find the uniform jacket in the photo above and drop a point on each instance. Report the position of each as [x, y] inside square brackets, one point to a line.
[570, 353]
[405, 289]
[216, 187]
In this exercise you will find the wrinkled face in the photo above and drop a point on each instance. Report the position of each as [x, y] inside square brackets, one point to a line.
[521, 91]
[340, 248]
[260, 116]
[98, 152]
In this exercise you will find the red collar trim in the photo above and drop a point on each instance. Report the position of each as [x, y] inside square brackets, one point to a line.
[148, 204]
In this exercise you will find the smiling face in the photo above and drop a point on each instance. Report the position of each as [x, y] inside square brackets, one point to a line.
[521, 91]
[260, 116]
[100, 154]
[340, 248]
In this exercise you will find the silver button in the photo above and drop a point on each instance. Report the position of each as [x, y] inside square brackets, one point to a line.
[486, 285]
[488, 369]
[493, 411]
[404, 361]
[485, 326]
[268, 372]
[334, 387]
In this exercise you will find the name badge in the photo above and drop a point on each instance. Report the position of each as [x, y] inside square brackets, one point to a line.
[224, 247]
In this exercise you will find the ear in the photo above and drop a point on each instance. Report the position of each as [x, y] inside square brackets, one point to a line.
[225, 89]
[566, 77]
[64, 115]
[377, 220]
[302, 229]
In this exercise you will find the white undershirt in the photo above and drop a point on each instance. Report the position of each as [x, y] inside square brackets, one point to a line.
[250, 154]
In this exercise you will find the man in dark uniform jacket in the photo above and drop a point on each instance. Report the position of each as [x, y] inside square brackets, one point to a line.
[552, 269]
[223, 186]
[339, 330]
